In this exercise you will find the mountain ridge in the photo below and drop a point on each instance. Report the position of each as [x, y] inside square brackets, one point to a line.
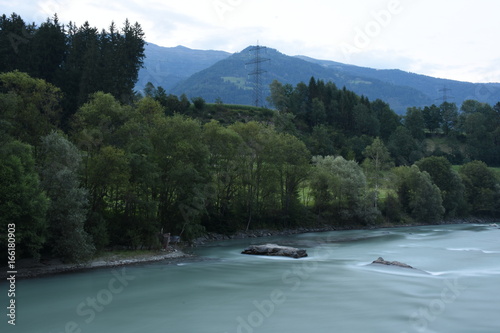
[219, 75]
[166, 66]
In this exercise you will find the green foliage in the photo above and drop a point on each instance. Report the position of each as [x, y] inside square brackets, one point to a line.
[449, 183]
[432, 117]
[31, 106]
[403, 147]
[419, 197]
[414, 122]
[22, 200]
[449, 117]
[377, 161]
[79, 60]
[482, 188]
[199, 103]
[388, 119]
[391, 208]
[135, 165]
[182, 161]
[60, 164]
[481, 125]
[339, 188]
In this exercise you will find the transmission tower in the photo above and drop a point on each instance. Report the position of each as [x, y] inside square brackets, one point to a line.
[445, 94]
[257, 72]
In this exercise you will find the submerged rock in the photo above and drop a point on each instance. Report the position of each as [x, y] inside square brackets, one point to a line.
[381, 260]
[275, 250]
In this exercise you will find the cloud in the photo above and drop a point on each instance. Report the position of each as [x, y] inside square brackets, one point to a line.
[430, 37]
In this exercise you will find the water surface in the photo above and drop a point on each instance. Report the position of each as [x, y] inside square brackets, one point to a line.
[455, 289]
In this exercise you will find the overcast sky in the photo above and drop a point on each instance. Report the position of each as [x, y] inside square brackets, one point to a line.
[448, 39]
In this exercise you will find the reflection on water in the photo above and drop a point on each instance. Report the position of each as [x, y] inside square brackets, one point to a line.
[455, 288]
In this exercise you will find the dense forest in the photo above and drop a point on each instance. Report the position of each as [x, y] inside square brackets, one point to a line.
[87, 164]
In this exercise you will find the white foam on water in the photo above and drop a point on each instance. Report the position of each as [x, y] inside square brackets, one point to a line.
[467, 249]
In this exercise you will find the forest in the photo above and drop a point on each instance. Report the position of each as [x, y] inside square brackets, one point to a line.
[88, 164]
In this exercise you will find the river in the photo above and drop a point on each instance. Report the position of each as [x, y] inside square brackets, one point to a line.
[455, 288]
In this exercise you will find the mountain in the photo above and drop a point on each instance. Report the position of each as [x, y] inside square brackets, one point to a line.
[220, 75]
[230, 81]
[167, 66]
[435, 88]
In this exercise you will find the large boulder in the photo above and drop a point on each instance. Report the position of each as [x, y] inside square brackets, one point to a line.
[275, 250]
[381, 261]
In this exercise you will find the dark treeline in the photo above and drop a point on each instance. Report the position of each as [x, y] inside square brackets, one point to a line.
[336, 121]
[112, 171]
[80, 60]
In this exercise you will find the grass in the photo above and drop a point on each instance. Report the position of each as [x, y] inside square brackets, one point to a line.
[231, 113]
[240, 82]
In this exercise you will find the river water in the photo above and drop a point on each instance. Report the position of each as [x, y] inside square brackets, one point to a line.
[455, 288]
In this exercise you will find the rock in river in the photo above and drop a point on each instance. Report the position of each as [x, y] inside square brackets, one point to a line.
[381, 260]
[275, 250]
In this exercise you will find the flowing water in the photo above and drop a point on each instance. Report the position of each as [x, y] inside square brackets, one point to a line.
[455, 288]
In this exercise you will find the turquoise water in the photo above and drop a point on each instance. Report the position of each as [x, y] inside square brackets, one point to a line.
[456, 288]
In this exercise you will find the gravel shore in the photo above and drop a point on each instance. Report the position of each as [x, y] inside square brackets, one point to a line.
[31, 268]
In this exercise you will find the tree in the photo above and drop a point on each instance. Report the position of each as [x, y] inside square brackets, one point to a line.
[377, 160]
[30, 105]
[280, 95]
[481, 125]
[387, 118]
[289, 158]
[224, 146]
[432, 117]
[482, 188]
[479, 140]
[96, 123]
[60, 164]
[107, 179]
[199, 103]
[403, 147]
[365, 121]
[414, 122]
[22, 200]
[339, 186]
[449, 183]
[129, 55]
[320, 141]
[149, 90]
[182, 160]
[257, 179]
[419, 197]
[15, 43]
[80, 60]
[317, 115]
[449, 117]
[48, 50]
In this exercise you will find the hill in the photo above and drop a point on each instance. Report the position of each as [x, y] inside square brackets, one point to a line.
[457, 91]
[218, 75]
[167, 66]
[229, 80]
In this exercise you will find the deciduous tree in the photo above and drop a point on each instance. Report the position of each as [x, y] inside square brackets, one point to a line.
[67, 213]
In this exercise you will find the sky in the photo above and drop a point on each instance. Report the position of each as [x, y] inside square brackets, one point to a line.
[447, 39]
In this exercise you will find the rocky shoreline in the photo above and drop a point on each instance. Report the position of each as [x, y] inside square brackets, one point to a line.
[32, 269]
[214, 237]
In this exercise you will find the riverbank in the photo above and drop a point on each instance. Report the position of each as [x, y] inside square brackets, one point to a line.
[214, 237]
[28, 268]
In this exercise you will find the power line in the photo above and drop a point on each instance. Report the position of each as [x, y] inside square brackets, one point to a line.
[257, 72]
